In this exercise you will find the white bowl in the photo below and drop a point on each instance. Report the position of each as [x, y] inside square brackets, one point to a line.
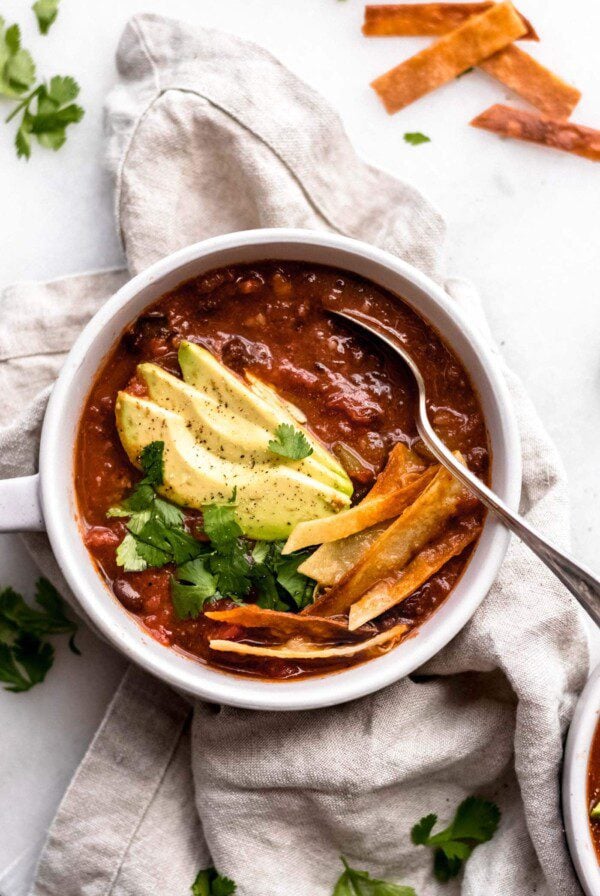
[71, 390]
[574, 785]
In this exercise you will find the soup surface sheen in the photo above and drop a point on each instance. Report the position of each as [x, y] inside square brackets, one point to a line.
[269, 318]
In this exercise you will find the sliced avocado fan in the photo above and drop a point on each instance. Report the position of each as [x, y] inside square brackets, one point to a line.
[216, 432]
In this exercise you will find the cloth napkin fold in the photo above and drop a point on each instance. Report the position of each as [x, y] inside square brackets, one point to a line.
[209, 134]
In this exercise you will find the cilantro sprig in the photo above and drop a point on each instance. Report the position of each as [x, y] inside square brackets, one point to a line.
[360, 883]
[156, 534]
[46, 113]
[290, 442]
[231, 568]
[475, 822]
[46, 12]
[209, 883]
[227, 565]
[17, 68]
[46, 109]
[25, 658]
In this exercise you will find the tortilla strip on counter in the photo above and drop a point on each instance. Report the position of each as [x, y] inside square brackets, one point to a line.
[426, 19]
[554, 133]
[466, 46]
[532, 81]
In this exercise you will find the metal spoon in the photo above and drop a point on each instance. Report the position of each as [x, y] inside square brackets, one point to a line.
[581, 582]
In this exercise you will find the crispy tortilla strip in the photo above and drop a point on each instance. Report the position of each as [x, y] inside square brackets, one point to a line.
[307, 651]
[392, 591]
[426, 19]
[312, 628]
[448, 57]
[368, 513]
[532, 81]
[402, 467]
[521, 125]
[423, 521]
[332, 561]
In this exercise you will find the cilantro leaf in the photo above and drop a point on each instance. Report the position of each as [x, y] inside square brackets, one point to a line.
[233, 568]
[17, 68]
[46, 12]
[128, 556]
[46, 112]
[299, 587]
[24, 657]
[475, 822]
[209, 883]
[415, 138]
[290, 442]
[266, 584]
[360, 883]
[421, 831]
[34, 656]
[220, 523]
[152, 463]
[191, 586]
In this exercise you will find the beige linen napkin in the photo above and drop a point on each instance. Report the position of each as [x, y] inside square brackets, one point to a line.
[209, 134]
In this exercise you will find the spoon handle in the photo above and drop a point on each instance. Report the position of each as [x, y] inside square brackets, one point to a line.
[581, 582]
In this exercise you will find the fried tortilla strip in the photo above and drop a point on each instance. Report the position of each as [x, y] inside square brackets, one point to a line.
[394, 590]
[448, 57]
[402, 466]
[521, 125]
[312, 628]
[369, 512]
[532, 81]
[307, 651]
[332, 561]
[423, 521]
[426, 19]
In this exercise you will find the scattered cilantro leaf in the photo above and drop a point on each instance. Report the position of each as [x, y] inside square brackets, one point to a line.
[17, 68]
[290, 442]
[191, 586]
[475, 822]
[46, 113]
[46, 12]
[360, 883]
[24, 657]
[415, 138]
[209, 883]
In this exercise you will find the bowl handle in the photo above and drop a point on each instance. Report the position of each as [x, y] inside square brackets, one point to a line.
[20, 506]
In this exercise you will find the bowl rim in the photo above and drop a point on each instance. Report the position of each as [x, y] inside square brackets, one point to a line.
[574, 785]
[201, 680]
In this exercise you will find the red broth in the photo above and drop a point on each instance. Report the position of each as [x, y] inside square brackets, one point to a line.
[593, 788]
[269, 318]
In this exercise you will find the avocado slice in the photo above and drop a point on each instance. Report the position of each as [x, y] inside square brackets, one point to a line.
[220, 429]
[203, 371]
[271, 498]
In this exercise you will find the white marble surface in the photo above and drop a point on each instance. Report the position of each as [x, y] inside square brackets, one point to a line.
[523, 223]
